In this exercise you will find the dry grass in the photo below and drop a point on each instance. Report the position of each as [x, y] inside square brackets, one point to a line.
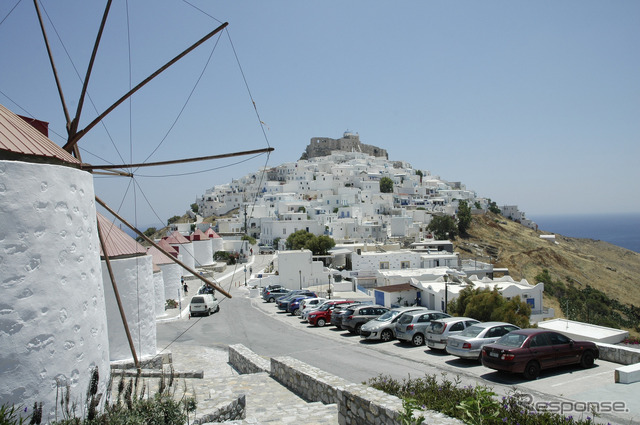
[611, 269]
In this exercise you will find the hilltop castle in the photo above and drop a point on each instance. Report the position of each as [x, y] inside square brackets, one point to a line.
[350, 142]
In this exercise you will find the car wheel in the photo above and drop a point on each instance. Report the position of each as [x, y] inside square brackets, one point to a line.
[386, 335]
[586, 361]
[296, 312]
[417, 340]
[208, 312]
[321, 322]
[357, 330]
[532, 370]
[271, 300]
[217, 308]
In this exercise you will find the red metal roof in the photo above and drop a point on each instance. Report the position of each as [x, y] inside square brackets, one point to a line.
[165, 245]
[211, 234]
[159, 257]
[198, 236]
[176, 238]
[19, 137]
[395, 288]
[117, 242]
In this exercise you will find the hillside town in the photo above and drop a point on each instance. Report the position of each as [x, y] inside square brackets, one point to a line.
[72, 278]
[382, 242]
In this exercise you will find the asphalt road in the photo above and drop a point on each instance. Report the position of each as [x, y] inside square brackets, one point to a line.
[271, 333]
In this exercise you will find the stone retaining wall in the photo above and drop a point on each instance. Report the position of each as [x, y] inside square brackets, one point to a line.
[310, 383]
[246, 361]
[227, 411]
[357, 403]
[619, 354]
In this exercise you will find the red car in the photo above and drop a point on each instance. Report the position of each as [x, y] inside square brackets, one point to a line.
[528, 351]
[322, 316]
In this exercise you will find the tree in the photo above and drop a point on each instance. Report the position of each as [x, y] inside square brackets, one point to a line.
[419, 172]
[493, 207]
[173, 219]
[298, 240]
[194, 208]
[489, 305]
[443, 227]
[464, 217]
[321, 245]
[386, 185]
[148, 233]
[318, 245]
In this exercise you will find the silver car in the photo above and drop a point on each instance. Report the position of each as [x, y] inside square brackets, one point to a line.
[440, 330]
[411, 327]
[360, 315]
[468, 343]
[383, 328]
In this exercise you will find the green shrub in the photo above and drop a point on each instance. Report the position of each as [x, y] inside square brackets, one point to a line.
[472, 405]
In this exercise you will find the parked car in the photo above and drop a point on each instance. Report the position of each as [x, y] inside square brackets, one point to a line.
[295, 304]
[283, 302]
[206, 289]
[383, 327]
[468, 343]
[309, 304]
[203, 304]
[266, 250]
[322, 316]
[439, 330]
[411, 327]
[341, 311]
[360, 315]
[528, 351]
[305, 314]
[272, 295]
[270, 288]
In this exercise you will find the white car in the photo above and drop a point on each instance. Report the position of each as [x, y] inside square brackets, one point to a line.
[439, 330]
[309, 304]
[203, 304]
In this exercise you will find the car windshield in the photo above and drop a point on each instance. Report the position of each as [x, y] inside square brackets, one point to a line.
[472, 331]
[197, 300]
[512, 340]
[387, 316]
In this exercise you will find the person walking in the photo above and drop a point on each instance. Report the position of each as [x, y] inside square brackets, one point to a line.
[185, 287]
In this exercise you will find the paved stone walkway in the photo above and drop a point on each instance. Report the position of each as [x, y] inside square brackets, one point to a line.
[266, 400]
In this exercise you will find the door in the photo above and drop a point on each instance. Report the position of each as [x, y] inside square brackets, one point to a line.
[542, 350]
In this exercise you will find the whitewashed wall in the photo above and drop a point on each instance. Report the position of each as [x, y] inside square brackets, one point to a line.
[171, 274]
[53, 326]
[203, 252]
[158, 292]
[188, 256]
[134, 277]
[218, 244]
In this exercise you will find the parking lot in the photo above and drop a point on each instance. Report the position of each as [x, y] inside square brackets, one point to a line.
[571, 390]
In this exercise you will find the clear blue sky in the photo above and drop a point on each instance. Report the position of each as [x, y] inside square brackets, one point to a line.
[530, 103]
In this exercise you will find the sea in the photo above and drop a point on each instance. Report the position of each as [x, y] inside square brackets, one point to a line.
[621, 229]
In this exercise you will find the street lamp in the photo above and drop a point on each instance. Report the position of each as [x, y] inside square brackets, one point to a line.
[245, 275]
[300, 273]
[446, 298]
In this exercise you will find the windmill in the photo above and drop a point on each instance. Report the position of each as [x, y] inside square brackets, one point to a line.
[51, 336]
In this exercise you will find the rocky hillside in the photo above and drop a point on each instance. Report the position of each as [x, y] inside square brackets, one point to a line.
[601, 265]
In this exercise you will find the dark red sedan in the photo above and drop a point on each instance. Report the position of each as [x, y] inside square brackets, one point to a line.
[528, 351]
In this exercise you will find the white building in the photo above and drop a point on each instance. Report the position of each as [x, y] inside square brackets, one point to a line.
[132, 271]
[296, 270]
[54, 323]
